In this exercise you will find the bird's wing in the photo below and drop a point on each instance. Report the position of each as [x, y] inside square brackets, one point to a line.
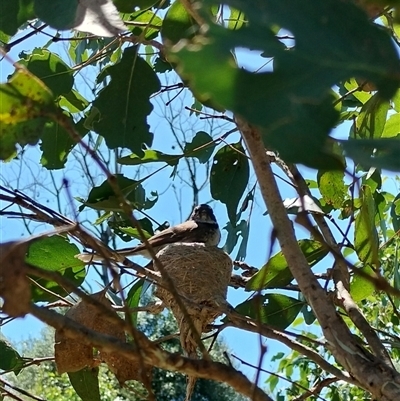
[170, 235]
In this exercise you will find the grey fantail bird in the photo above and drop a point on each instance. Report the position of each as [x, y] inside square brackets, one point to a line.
[202, 227]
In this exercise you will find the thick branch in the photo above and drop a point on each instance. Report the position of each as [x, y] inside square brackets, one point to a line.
[372, 373]
[151, 354]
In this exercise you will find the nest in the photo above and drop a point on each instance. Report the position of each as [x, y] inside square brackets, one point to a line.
[200, 275]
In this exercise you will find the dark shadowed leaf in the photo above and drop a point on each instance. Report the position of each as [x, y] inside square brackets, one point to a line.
[380, 153]
[366, 240]
[273, 309]
[128, 6]
[290, 104]
[276, 272]
[229, 177]
[395, 213]
[13, 14]
[104, 198]
[56, 143]
[10, 358]
[86, 383]
[124, 103]
[201, 147]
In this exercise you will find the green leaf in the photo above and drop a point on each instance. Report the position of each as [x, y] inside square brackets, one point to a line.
[150, 156]
[59, 14]
[23, 102]
[366, 240]
[332, 188]
[372, 118]
[13, 14]
[291, 104]
[128, 6]
[361, 288]
[379, 153]
[360, 95]
[201, 147]
[73, 101]
[177, 24]
[392, 126]
[56, 143]
[276, 272]
[51, 69]
[124, 103]
[161, 65]
[124, 229]
[86, 384]
[229, 177]
[395, 213]
[104, 198]
[133, 298]
[10, 359]
[273, 309]
[149, 31]
[55, 254]
[236, 19]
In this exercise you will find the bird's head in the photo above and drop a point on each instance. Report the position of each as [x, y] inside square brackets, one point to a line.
[203, 213]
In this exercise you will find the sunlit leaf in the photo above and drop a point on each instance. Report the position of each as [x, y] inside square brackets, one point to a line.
[23, 102]
[332, 188]
[392, 126]
[150, 156]
[55, 254]
[372, 118]
[361, 288]
[276, 272]
[365, 235]
[51, 69]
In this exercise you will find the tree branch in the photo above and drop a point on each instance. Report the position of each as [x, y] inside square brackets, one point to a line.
[371, 372]
[152, 355]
